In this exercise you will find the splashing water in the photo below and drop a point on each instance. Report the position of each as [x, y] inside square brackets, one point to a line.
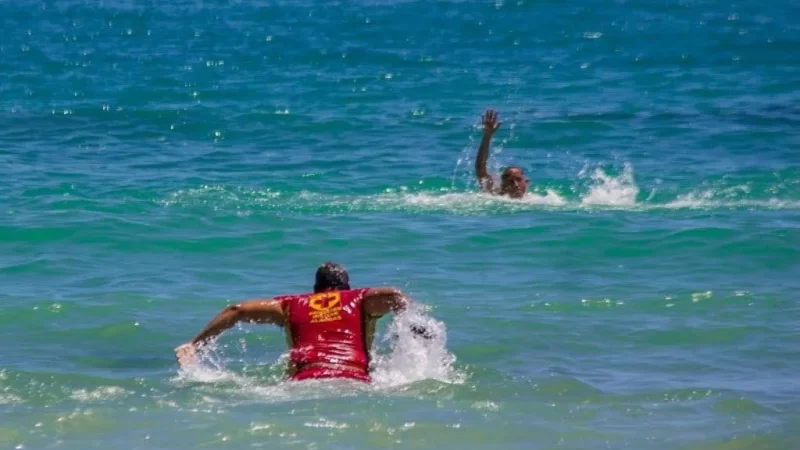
[400, 357]
[611, 191]
[414, 358]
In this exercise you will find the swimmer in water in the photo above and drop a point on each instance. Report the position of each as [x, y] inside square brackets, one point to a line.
[329, 331]
[513, 181]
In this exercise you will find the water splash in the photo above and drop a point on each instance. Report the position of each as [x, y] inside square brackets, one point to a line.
[612, 191]
[411, 357]
[210, 368]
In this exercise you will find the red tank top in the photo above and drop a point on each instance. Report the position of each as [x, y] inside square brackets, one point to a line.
[326, 327]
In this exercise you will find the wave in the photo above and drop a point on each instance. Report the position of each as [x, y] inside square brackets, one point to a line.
[596, 189]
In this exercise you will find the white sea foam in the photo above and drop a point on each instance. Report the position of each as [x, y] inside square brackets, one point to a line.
[598, 189]
[322, 422]
[464, 203]
[486, 405]
[99, 394]
[697, 296]
[9, 399]
[612, 191]
[711, 199]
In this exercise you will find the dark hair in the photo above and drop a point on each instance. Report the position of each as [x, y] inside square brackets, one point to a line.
[509, 169]
[331, 276]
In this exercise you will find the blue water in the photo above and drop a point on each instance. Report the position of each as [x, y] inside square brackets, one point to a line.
[160, 161]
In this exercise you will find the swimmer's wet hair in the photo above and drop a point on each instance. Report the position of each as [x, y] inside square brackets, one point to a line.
[330, 277]
[509, 169]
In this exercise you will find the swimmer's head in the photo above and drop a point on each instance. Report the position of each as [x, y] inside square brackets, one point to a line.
[513, 182]
[331, 277]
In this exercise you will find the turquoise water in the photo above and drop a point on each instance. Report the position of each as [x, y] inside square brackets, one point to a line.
[158, 161]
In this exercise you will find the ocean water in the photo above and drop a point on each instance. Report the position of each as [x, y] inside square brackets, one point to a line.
[160, 160]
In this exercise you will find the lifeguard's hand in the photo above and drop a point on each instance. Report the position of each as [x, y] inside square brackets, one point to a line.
[186, 354]
[490, 123]
[421, 331]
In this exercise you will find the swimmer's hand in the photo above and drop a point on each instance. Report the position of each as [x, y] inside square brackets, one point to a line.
[490, 122]
[186, 355]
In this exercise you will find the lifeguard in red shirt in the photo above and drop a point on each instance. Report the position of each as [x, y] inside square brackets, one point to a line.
[329, 331]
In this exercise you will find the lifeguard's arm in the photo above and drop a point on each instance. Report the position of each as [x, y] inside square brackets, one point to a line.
[380, 301]
[257, 311]
[490, 125]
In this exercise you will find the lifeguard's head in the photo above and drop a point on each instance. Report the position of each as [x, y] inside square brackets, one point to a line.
[331, 277]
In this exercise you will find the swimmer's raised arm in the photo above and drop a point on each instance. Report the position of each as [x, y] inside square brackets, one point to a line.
[490, 125]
